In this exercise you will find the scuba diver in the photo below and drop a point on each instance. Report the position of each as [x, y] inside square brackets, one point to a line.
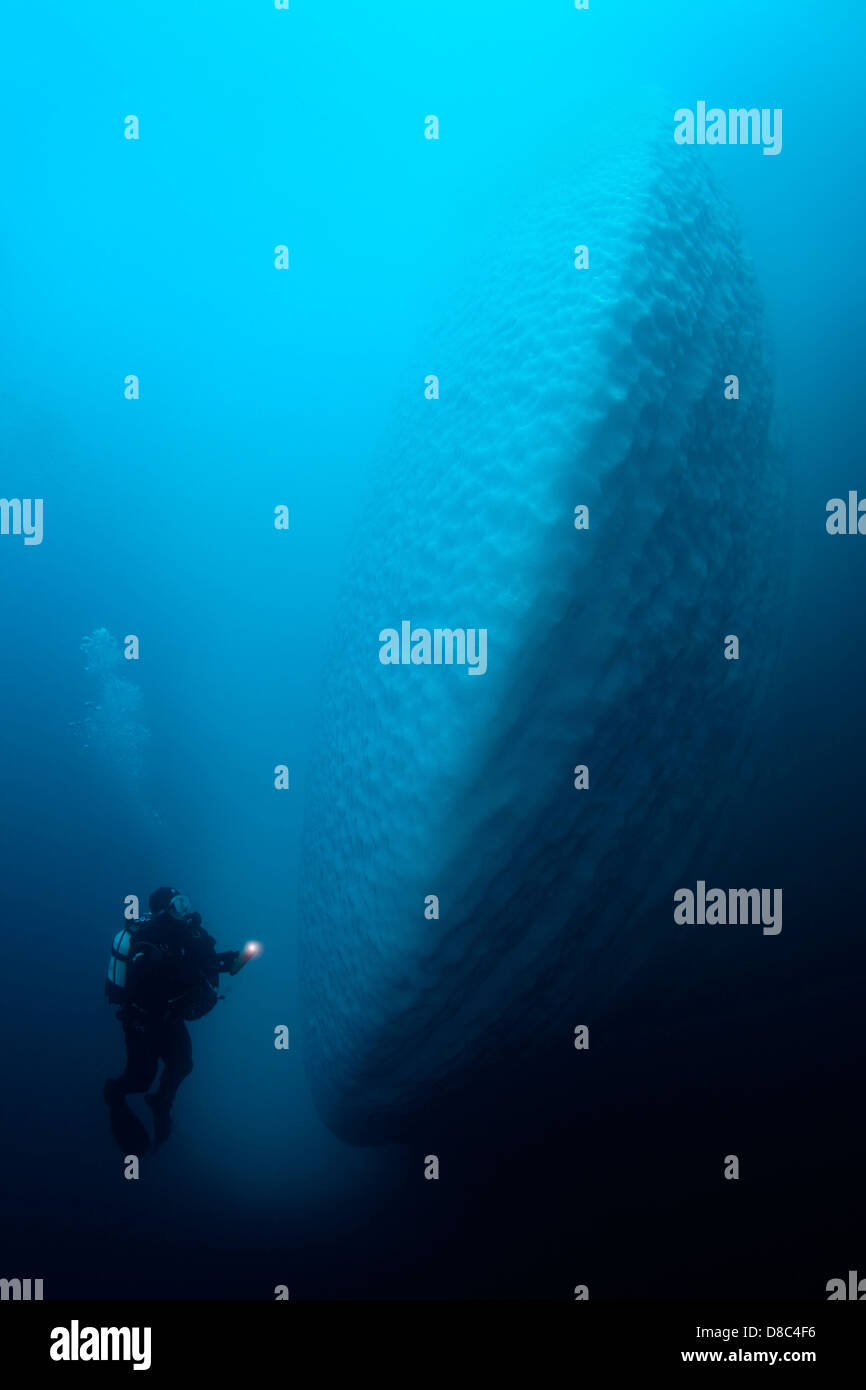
[163, 972]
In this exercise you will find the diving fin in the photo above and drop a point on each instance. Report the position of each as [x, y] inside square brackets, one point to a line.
[126, 1127]
[161, 1118]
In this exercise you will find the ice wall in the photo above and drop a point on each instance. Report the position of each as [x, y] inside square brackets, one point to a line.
[559, 387]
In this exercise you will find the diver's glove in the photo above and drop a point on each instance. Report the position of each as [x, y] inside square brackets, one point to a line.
[251, 950]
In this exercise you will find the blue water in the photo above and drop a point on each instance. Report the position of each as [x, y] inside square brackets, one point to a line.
[259, 647]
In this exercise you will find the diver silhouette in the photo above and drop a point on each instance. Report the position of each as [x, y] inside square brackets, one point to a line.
[163, 972]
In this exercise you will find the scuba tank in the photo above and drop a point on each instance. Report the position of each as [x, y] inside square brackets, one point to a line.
[194, 997]
[116, 980]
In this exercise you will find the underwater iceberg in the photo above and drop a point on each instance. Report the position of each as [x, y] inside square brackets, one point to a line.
[605, 388]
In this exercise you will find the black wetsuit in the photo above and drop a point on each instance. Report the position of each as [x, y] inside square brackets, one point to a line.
[173, 975]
